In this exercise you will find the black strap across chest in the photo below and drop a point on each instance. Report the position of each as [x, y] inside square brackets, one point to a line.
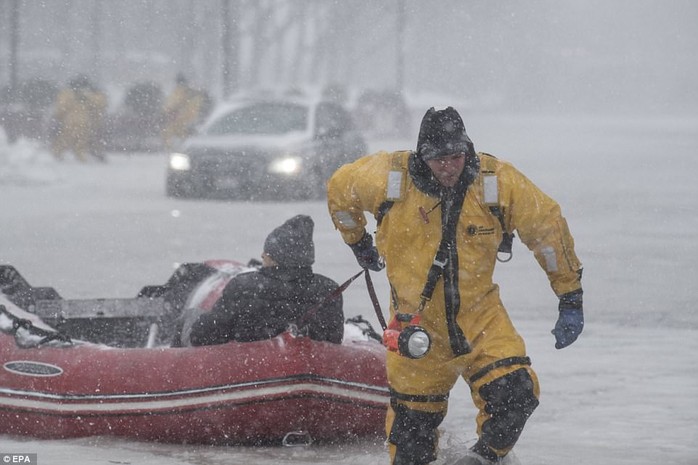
[451, 207]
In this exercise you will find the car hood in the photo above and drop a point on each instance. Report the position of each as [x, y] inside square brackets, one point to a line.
[264, 142]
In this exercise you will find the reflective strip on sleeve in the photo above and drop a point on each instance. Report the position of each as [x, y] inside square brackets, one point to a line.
[550, 259]
[394, 191]
[345, 219]
[491, 192]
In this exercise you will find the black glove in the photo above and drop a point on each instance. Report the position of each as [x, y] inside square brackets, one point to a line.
[366, 254]
[570, 322]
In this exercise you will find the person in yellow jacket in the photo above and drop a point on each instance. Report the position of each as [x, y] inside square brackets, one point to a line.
[78, 117]
[442, 212]
[180, 113]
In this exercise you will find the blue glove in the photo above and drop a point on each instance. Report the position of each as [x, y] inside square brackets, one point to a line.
[570, 322]
[366, 254]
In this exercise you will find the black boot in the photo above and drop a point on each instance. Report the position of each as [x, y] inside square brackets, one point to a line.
[481, 449]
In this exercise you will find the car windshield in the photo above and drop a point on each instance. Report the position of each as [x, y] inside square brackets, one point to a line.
[263, 118]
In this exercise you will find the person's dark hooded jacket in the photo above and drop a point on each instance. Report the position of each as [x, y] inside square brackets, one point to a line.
[261, 304]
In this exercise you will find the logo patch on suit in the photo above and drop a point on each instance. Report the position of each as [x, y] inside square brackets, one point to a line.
[474, 230]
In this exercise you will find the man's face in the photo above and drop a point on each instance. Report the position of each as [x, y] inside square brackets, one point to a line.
[267, 261]
[447, 169]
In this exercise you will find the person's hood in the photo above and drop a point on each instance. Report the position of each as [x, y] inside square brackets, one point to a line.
[291, 244]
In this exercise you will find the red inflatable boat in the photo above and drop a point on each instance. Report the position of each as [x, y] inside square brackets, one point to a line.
[119, 376]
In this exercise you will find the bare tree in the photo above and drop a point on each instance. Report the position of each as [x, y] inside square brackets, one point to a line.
[14, 46]
[230, 46]
[96, 40]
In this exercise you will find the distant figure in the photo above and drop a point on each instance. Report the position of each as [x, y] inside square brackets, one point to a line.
[78, 120]
[181, 112]
[261, 304]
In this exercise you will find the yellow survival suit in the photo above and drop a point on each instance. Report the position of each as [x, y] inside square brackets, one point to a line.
[180, 113]
[472, 335]
[79, 114]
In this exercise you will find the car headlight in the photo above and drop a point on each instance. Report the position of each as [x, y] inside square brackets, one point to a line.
[285, 165]
[180, 162]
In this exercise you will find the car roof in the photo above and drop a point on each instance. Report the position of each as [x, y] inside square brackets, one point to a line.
[245, 100]
[266, 97]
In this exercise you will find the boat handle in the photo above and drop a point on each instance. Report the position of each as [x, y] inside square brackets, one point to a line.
[296, 439]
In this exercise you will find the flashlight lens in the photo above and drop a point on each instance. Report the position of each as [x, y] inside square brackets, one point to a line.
[413, 342]
[418, 344]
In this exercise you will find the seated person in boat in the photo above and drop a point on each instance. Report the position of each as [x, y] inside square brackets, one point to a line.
[261, 304]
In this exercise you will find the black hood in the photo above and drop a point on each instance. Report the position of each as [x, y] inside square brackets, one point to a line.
[442, 133]
[291, 244]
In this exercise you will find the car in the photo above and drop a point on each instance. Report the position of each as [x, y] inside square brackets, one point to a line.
[265, 148]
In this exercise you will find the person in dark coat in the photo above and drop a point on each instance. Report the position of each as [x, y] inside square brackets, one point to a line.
[261, 304]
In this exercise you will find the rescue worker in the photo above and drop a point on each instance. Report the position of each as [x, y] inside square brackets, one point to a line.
[78, 120]
[441, 213]
[261, 304]
[180, 113]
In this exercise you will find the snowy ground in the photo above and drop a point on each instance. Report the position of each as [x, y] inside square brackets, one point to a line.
[625, 393]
